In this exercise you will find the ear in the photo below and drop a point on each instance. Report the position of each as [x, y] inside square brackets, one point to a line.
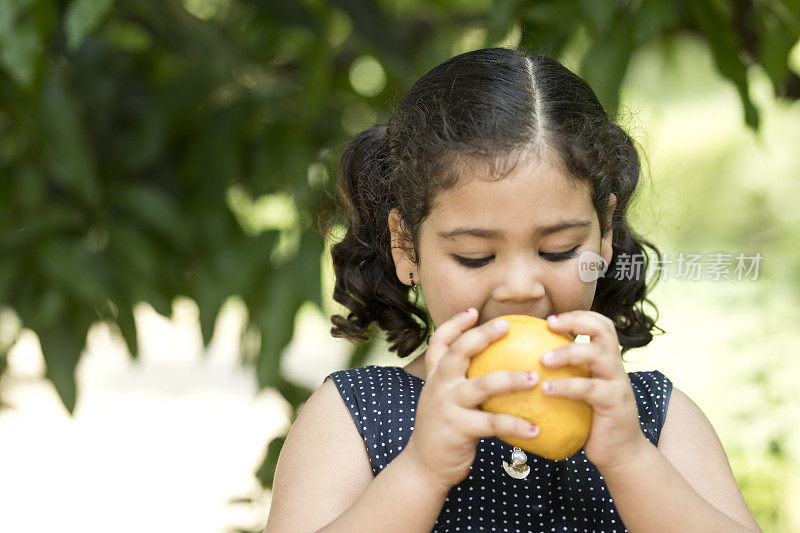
[606, 251]
[401, 250]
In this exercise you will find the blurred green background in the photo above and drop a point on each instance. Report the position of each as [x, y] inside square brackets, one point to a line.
[153, 150]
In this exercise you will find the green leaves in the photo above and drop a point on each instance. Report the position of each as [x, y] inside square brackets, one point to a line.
[275, 304]
[501, 17]
[61, 346]
[66, 150]
[70, 266]
[778, 25]
[82, 18]
[21, 39]
[606, 61]
[615, 30]
[547, 26]
[154, 209]
[266, 471]
[717, 29]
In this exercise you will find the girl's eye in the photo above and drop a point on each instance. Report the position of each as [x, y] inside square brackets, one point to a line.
[473, 263]
[481, 261]
[563, 256]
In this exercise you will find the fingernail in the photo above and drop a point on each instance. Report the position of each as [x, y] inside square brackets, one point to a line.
[534, 429]
[548, 357]
[553, 318]
[501, 324]
[547, 386]
[468, 311]
[533, 377]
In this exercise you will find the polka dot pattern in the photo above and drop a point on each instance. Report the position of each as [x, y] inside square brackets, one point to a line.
[567, 495]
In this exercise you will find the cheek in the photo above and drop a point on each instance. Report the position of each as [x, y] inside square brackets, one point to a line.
[441, 275]
[448, 290]
[571, 290]
[588, 299]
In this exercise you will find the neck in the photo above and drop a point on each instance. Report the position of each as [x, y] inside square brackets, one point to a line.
[417, 367]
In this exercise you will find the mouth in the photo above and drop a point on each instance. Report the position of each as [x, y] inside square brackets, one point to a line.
[535, 315]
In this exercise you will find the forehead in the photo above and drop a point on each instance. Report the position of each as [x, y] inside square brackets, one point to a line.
[534, 194]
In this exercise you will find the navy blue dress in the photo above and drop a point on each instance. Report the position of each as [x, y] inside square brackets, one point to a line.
[568, 495]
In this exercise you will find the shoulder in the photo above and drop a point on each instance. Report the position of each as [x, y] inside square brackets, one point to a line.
[652, 391]
[652, 383]
[689, 442]
[365, 386]
[373, 377]
[323, 466]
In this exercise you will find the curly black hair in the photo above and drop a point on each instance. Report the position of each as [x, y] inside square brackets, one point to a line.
[487, 104]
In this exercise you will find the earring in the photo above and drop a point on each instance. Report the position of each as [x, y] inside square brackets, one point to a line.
[413, 285]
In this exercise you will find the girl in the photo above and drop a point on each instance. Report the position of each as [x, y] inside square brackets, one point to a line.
[496, 176]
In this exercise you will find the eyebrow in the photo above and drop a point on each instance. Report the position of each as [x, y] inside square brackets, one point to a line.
[498, 235]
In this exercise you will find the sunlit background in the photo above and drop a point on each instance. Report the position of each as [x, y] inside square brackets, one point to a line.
[171, 441]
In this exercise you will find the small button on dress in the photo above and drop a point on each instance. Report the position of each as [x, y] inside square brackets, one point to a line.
[568, 495]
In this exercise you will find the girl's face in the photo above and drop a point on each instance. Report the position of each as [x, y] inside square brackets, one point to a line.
[487, 245]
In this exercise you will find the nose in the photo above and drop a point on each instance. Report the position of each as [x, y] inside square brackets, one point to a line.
[522, 281]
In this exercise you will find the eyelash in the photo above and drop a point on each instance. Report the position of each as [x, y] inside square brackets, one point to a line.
[477, 263]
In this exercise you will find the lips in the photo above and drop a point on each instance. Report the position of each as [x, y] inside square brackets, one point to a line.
[543, 316]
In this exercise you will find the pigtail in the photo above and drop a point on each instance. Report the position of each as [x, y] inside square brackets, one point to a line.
[621, 293]
[366, 282]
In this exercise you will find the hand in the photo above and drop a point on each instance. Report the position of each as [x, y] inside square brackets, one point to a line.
[616, 435]
[448, 424]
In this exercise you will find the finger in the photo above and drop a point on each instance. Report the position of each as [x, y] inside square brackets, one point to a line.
[600, 393]
[600, 364]
[483, 424]
[455, 363]
[599, 328]
[571, 354]
[445, 335]
[475, 391]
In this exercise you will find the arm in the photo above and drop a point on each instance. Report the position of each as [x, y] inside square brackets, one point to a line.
[399, 499]
[684, 484]
[323, 476]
